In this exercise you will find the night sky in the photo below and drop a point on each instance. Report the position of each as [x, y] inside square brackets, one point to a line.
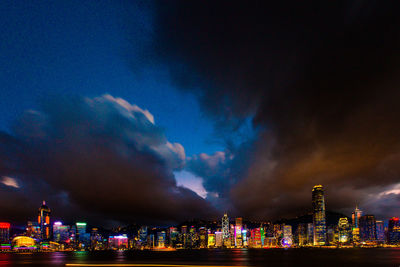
[162, 111]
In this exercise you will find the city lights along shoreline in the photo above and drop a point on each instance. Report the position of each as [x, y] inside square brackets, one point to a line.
[359, 231]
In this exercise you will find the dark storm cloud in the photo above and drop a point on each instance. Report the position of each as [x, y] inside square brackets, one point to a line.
[321, 80]
[101, 157]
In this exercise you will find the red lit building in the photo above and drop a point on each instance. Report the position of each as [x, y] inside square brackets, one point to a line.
[4, 236]
[118, 242]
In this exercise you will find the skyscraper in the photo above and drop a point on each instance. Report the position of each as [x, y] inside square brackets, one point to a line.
[319, 221]
[310, 234]
[4, 233]
[357, 213]
[44, 221]
[380, 231]
[367, 228]
[301, 234]
[344, 230]
[225, 229]
[238, 232]
[394, 231]
[60, 232]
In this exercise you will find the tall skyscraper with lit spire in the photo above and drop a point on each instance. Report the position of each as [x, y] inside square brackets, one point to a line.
[356, 215]
[44, 221]
[319, 220]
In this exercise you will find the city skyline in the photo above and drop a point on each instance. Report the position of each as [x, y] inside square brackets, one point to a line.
[362, 231]
[157, 113]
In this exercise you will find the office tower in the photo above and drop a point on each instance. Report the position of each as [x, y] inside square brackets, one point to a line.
[394, 231]
[225, 230]
[344, 230]
[255, 238]
[331, 235]
[380, 231]
[357, 213]
[60, 232]
[367, 228]
[218, 239]
[301, 234]
[356, 227]
[232, 236]
[44, 221]
[95, 240]
[245, 238]
[4, 233]
[82, 237]
[319, 222]
[262, 233]
[203, 237]
[33, 230]
[287, 231]
[310, 234]
[118, 242]
[211, 243]
[238, 232]
[173, 237]
[142, 234]
[278, 229]
[161, 238]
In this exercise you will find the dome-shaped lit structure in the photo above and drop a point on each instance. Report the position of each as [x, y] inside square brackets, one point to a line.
[23, 243]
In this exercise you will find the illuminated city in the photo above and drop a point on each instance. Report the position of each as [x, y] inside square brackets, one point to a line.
[199, 133]
[360, 231]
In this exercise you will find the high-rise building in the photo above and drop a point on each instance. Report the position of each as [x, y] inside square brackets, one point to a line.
[218, 239]
[357, 213]
[394, 231]
[225, 230]
[161, 238]
[44, 221]
[238, 232]
[287, 232]
[310, 234]
[82, 236]
[367, 228]
[211, 241]
[344, 230]
[142, 235]
[173, 237]
[118, 242]
[203, 237]
[255, 238]
[380, 231]
[319, 221]
[301, 234]
[4, 233]
[60, 232]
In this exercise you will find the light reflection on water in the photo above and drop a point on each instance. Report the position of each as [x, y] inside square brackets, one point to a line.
[234, 257]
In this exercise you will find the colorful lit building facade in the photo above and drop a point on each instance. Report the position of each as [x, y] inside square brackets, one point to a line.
[60, 232]
[394, 231]
[380, 231]
[367, 228]
[5, 236]
[119, 242]
[44, 221]
[344, 230]
[238, 232]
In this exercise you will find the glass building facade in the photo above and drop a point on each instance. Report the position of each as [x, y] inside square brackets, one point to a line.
[367, 228]
[319, 221]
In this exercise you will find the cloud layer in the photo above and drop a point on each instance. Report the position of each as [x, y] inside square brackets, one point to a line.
[322, 82]
[101, 158]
